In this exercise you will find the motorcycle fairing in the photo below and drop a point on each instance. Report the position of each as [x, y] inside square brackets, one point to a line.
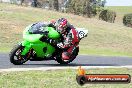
[32, 41]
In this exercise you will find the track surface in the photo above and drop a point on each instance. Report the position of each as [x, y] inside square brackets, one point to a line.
[81, 60]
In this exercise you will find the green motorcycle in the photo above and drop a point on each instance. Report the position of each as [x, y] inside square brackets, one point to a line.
[33, 47]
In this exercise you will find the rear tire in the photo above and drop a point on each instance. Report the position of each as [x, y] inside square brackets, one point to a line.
[73, 56]
[15, 55]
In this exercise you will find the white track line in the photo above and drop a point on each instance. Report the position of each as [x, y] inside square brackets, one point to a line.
[62, 67]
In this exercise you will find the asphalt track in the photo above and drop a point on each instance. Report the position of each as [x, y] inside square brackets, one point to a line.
[81, 60]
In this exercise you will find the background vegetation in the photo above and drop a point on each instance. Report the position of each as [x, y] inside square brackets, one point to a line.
[127, 20]
[103, 39]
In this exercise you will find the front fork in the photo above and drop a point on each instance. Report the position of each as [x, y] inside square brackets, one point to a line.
[27, 47]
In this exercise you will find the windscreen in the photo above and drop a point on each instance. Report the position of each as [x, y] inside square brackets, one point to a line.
[37, 28]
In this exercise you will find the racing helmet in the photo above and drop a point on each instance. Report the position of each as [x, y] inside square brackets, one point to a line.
[61, 25]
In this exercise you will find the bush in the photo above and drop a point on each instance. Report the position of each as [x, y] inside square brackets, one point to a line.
[127, 20]
[107, 15]
[81, 7]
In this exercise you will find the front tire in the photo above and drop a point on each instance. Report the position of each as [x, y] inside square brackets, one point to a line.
[15, 55]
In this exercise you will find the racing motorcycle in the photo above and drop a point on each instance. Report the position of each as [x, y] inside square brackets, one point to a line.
[34, 48]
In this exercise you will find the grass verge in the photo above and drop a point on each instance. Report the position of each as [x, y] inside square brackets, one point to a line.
[57, 79]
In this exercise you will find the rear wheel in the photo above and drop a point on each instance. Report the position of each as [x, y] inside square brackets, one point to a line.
[15, 55]
[72, 57]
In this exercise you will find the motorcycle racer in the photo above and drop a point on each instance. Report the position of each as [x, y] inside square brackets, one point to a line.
[69, 35]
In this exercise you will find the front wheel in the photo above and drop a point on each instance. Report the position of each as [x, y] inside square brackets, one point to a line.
[15, 55]
[72, 57]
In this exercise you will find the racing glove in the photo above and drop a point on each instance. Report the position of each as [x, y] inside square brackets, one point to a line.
[60, 45]
[49, 40]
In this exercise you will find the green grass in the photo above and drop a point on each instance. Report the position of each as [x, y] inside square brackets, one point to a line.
[105, 52]
[104, 38]
[57, 79]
